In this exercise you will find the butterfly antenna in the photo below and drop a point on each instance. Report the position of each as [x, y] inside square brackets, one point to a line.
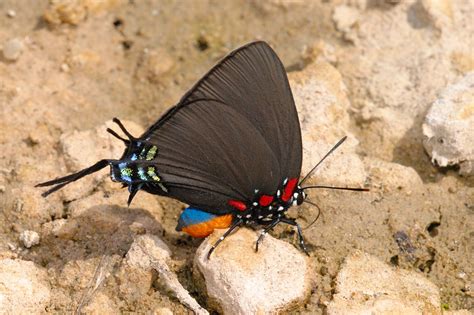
[63, 181]
[317, 217]
[339, 188]
[321, 161]
[124, 130]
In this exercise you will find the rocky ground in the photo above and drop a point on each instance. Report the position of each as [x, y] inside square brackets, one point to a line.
[396, 77]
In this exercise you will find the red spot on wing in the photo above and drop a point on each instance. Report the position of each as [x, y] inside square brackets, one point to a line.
[265, 200]
[239, 205]
[289, 188]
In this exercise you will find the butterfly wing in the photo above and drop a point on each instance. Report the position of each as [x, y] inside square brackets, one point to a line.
[235, 131]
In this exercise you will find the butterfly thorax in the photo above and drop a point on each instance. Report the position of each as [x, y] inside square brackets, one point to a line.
[266, 209]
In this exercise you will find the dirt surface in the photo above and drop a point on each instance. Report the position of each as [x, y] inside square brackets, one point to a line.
[80, 66]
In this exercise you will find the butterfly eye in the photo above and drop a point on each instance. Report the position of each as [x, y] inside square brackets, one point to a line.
[300, 198]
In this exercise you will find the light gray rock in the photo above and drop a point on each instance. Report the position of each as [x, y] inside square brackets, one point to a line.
[449, 126]
[440, 12]
[24, 287]
[29, 238]
[150, 252]
[397, 66]
[243, 281]
[366, 285]
[145, 249]
[101, 304]
[154, 64]
[392, 176]
[12, 49]
[345, 18]
[11, 13]
[322, 103]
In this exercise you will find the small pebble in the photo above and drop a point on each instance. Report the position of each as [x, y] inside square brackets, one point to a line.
[461, 275]
[29, 238]
[163, 311]
[13, 49]
[65, 67]
[11, 13]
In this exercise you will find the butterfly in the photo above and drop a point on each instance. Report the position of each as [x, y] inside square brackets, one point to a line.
[231, 149]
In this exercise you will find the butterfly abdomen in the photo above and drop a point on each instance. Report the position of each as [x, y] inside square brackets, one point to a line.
[137, 166]
[198, 223]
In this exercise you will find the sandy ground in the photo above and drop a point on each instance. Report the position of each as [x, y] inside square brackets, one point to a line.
[133, 59]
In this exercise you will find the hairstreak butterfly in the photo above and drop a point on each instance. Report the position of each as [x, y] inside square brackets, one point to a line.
[231, 149]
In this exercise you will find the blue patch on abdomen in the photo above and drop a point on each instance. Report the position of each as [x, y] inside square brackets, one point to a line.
[191, 216]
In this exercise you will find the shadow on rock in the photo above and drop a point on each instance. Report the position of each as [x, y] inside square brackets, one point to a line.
[409, 151]
[97, 231]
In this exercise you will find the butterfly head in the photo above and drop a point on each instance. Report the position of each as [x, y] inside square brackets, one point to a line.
[266, 208]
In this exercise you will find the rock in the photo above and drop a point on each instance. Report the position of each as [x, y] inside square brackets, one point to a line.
[70, 12]
[100, 304]
[99, 6]
[389, 66]
[30, 207]
[75, 11]
[319, 51]
[346, 18]
[243, 281]
[134, 283]
[11, 13]
[145, 249]
[366, 285]
[268, 6]
[163, 311]
[135, 276]
[392, 176]
[61, 228]
[387, 124]
[149, 252]
[342, 168]
[12, 49]
[154, 65]
[24, 287]
[439, 11]
[323, 105]
[463, 61]
[449, 124]
[84, 59]
[320, 97]
[29, 238]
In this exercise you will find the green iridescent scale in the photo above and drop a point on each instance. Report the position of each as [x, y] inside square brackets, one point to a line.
[148, 154]
[152, 174]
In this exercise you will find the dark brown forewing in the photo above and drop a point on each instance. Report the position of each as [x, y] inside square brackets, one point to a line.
[235, 131]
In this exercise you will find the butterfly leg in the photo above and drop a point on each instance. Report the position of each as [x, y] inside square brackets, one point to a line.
[265, 232]
[300, 232]
[235, 225]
